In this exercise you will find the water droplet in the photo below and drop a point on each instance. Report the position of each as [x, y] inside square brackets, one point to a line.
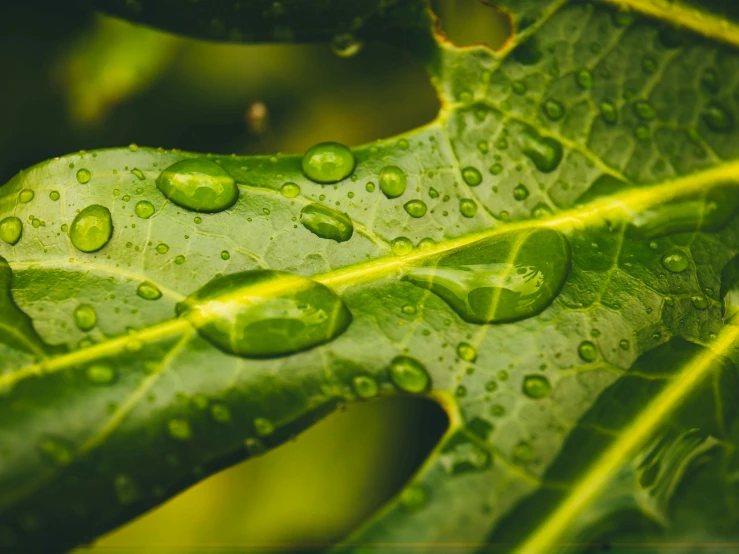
[466, 352]
[401, 246]
[290, 190]
[225, 255]
[85, 317]
[523, 453]
[346, 45]
[179, 429]
[699, 301]
[584, 78]
[54, 195]
[198, 184]
[461, 391]
[263, 427]
[365, 387]
[403, 144]
[587, 351]
[413, 498]
[426, 243]
[675, 261]
[506, 278]
[415, 208]
[718, 118]
[11, 230]
[179, 260]
[91, 229]
[370, 187]
[624, 344]
[265, 313]
[553, 110]
[144, 209]
[520, 192]
[536, 386]
[409, 309]
[609, 112]
[545, 152]
[126, 489]
[25, 196]
[409, 375]
[393, 181]
[220, 413]
[162, 248]
[99, 374]
[541, 211]
[148, 291]
[462, 454]
[472, 176]
[496, 169]
[467, 207]
[83, 176]
[327, 223]
[328, 162]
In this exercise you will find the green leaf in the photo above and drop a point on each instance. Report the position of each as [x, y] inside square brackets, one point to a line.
[548, 260]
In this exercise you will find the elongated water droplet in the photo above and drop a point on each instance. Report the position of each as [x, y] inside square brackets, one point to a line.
[327, 223]
[415, 208]
[536, 386]
[91, 229]
[265, 314]
[148, 291]
[144, 209]
[198, 184]
[328, 162]
[409, 375]
[472, 176]
[545, 152]
[25, 196]
[365, 387]
[11, 230]
[83, 176]
[85, 317]
[505, 278]
[393, 181]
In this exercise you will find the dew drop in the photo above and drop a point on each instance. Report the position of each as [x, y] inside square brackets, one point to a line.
[91, 229]
[225, 255]
[544, 152]
[220, 413]
[328, 162]
[148, 291]
[162, 248]
[198, 184]
[587, 351]
[409, 375]
[54, 195]
[11, 230]
[290, 190]
[536, 386]
[699, 301]
[365, 387]
[472, 176]
[415, 208]
[675, 261]
[520, 192]
[327, 223]
[85, 317]
[426, 243]
[83, 176]
[401, 246]
[393, 181]
[467, 207]
[265, 313]
[144, 209]
[523, 453]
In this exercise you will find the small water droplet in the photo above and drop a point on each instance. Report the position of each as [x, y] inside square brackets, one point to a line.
[624, 344]
[584, 78]
[25, 196]
[85, 317]
[83, 176]
[198, 184]
[265, 313]
[523, 453]
[179, 429]
[220, 413]
[675, 261]
[263, 427]
[426, 243]
[225, 255]
[401, 246]
[699, 301]
[415, 208]
[544, 152]
[413, 498]
[91, 229]
[54, 195]
[644, 110]
[467, 207]
[144, 209]
[472, 176]
[328, 162]
[148, 291]
[553, 110]
[466, 352]
[409, 375]
[587, 351]
[162, 248]
[710, 81]
[327, 223]
[393, 181]
[536, 386]
[290, 190]
[365, 387]
[409, 309]
[99, 374]
[11, 230]
[462, 454]
[520, 192]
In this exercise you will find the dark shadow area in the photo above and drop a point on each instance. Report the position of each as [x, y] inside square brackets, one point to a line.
[469, 22]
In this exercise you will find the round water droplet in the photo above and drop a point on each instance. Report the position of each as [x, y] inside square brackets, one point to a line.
[327, 223]
[54, 195]
[415, 208]
[587, 351]
[162, 248]
[290, 190]
[83, 176]
[409, 375]
[675, 261]
[545, 152]
[467, 207]
[179, 260]
[718, 118]
[11, 230]
[401, 246]
[365, 387]
[520, 192]
[225, 255]
[393, 181]
[263, 427]
[148, 291]
[536, 386]
[99, 374]
[198, 184]
[265, 314]
[346, 45]
[426, 243]
[472, 176]
[91, 229]
[328, 162]
[466, 352]
[179, 429]
[85, 317]
[699, 302]
[144, 209]
[553, 110]
[25, 196]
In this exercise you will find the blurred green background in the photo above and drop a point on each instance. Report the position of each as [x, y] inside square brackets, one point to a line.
[74, 80]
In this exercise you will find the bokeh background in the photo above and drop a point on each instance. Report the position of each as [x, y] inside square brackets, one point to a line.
[73, 80]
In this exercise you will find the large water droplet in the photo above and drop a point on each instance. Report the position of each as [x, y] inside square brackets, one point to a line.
[675, 261]
[265, 314]
[91, 229]
[409, 375]
[415, 208]
[536, 386]
[545, 152]
[328, 162]
[327, 223]
[11, 230]
[504, 278]
[85, 317]
[393, 181]
[198, 184]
